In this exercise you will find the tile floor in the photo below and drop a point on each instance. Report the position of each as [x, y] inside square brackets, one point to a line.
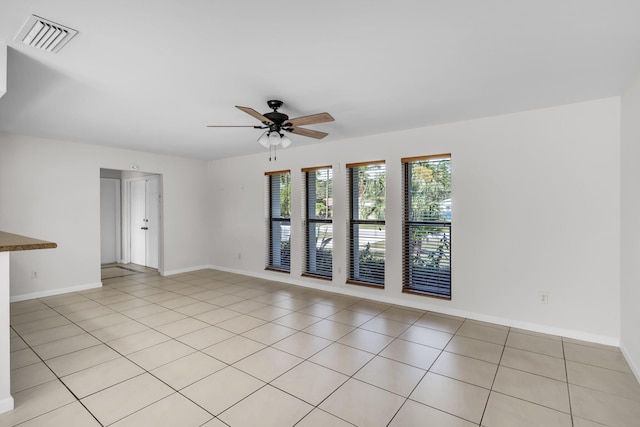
[211, 348]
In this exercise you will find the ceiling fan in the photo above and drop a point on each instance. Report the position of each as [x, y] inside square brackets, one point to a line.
[276, 123]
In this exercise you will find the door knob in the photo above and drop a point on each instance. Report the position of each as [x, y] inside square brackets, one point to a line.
[144, 228]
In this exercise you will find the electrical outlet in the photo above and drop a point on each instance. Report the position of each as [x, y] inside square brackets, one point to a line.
[34, 274]
[543, 297]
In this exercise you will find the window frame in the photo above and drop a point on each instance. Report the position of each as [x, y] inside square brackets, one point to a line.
[352, 223]
[309, 220]
[271, 220]
[407, 223]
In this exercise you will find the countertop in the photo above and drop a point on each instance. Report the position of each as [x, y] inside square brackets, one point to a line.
[14, 242]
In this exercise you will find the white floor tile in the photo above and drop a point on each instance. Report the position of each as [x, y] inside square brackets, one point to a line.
[212, 349]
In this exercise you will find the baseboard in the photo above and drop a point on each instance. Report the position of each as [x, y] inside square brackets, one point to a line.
[185, 270]
[634, 368]
[6, 404]
[56, 291]
[423, 305]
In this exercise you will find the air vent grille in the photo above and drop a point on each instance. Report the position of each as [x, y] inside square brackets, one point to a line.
[44, 34]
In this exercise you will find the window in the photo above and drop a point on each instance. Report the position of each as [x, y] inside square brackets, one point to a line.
[427, 225]
[279, 220]
[318, 183]
[366, 223]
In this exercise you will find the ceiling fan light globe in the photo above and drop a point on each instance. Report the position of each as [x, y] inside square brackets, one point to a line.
[285, 141]
[274, 138]
[264, 139]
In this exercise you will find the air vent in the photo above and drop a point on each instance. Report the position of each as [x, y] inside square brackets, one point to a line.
[44, 34]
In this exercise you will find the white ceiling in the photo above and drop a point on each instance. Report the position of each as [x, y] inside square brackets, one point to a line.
[151, 74]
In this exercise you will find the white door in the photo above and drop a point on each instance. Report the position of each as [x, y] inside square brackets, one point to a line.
[137, 217]
[152, 221]
[109, 220]
[145, 221]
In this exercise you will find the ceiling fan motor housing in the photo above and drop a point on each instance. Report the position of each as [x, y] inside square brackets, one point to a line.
[277, 118]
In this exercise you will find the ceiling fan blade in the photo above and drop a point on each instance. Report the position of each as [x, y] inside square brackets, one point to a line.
[307, 132]
[233, 126]
[310, 120]
[254, 113]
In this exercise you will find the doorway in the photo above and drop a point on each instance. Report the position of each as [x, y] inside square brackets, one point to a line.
[130, 223]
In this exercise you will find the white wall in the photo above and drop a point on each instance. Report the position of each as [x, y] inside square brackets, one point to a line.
[536, 207]
[6, 400]
[3, 69]
[51, 190]
[630, 249]
[110, 231]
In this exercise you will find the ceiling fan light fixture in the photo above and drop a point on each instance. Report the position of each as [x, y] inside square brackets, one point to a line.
[274, 138]
[285, 141]
[264, 139]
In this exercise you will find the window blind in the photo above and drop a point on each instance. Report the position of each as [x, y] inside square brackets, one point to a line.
[318, 221]
[278, 198]
[367, 198]
[427, 225]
